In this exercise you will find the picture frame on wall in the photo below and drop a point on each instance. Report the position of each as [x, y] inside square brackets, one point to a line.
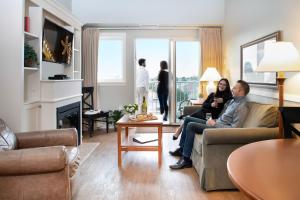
[251, 55]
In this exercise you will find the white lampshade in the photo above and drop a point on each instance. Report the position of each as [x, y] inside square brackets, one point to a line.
[280, 57]
[210, 74]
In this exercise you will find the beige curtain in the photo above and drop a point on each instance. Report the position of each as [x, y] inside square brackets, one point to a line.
[211, 51]
[90, 42]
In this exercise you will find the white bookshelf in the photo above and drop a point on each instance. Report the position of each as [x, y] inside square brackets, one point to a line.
[21, 106]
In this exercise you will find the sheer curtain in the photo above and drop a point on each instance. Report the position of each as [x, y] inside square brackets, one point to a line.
[90, 43]
[211, 51]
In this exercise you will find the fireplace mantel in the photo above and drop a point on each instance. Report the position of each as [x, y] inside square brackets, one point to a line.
[57, 93]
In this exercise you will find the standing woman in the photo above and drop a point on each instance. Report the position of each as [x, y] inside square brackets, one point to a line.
[163, 89]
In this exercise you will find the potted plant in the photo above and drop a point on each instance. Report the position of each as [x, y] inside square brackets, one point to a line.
[115, 115]
[30, 57]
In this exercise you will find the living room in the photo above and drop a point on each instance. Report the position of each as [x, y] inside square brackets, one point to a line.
[34, 99]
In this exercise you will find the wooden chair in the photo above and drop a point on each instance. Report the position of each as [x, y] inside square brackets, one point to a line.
[290, 116]
[88, 112]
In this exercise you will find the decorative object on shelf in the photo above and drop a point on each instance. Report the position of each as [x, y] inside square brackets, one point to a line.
[58, 77]
[30, 56]
[67, 49]
[27, 24]
[211, 74]
[130, 109]
[48, 54]
[251, 55]
[280, 57]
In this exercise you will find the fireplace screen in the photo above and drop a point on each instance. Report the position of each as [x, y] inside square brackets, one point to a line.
[68, 116]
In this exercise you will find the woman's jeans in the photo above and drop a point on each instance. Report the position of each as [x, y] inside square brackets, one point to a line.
[191, 126]
[163, 103]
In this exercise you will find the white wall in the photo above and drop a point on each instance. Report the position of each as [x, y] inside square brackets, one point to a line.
[150, 11]
[246, 21]
[113, 96]
[11, 56]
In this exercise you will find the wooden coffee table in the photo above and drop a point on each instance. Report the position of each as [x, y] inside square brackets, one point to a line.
[126, 145]
[267, 169]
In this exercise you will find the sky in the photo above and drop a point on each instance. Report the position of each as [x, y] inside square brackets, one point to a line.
[154, 51]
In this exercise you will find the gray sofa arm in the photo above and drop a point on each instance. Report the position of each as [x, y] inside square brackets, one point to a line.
[238, 135]
[187, 110]
[33, 161]
[57, 137]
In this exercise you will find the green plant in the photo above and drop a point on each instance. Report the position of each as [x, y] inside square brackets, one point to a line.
[115, 115]
[30, 56]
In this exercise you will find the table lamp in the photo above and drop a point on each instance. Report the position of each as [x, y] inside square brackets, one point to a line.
[280, 57]
[211, 74]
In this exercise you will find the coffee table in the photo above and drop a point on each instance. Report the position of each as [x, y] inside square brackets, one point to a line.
[127, 145]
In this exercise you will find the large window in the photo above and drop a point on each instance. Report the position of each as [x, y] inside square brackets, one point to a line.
[111, 58]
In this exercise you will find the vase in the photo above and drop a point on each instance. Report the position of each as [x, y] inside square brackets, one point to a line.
[130, 115]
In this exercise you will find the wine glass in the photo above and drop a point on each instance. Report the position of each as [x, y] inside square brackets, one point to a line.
[208, 116]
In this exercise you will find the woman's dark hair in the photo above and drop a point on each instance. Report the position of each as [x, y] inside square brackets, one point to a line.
[227, 90]
[142, 61]
[163, 65]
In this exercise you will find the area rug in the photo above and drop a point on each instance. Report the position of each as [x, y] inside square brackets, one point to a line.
[86, 149]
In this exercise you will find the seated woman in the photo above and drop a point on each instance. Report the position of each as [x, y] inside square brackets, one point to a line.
[213, 104]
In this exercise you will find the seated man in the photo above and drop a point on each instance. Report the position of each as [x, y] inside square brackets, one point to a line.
[232, 116]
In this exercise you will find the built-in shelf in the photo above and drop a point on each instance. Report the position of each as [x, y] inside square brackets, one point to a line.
[30, 36]
[31, 68]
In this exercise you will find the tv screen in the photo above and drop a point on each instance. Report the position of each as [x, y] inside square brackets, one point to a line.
[57, 43]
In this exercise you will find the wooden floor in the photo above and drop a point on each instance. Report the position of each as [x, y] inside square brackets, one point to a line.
[140, 177]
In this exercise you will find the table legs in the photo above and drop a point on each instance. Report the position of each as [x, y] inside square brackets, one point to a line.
[159, 145]
[119, 147]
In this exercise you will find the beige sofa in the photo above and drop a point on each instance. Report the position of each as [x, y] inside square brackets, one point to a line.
[212, 148]
[37, 165]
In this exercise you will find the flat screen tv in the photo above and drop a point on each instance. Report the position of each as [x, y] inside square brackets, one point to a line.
[57, 43]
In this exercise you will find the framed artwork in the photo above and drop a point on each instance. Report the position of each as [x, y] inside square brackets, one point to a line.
[251, 55]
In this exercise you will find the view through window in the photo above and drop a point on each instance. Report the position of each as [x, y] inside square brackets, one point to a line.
[154, 51]
[111, 58]
[187, 66]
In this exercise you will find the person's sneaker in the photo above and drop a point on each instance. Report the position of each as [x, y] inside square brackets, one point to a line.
[182, 163]
[177, 152]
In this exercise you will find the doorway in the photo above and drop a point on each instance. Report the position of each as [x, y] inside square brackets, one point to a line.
[183, 57]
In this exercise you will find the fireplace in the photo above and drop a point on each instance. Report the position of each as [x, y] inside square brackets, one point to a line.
[68, 116]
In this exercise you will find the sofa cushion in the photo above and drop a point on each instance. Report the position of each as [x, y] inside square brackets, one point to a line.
[261, 115]
[8, 139]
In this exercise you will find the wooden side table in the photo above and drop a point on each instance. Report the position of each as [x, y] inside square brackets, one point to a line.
[125, 123]
[267, 169]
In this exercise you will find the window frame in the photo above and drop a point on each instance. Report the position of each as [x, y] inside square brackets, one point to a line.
[112, 36]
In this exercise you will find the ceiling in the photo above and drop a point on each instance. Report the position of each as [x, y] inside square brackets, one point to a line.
[150, 12]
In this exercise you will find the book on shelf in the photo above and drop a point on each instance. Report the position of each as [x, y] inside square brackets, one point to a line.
[146, 138]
